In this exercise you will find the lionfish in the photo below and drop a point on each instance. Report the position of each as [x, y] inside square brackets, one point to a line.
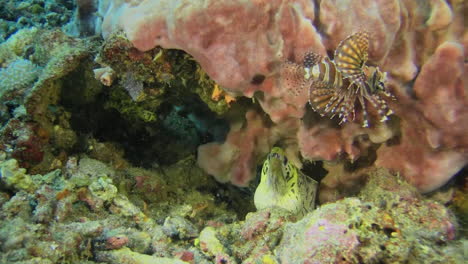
[338, 84]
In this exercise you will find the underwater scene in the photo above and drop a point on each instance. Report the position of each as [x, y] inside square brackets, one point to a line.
[233, 131]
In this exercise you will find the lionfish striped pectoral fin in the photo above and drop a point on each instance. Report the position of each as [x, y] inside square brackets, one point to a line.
[335, 104]
[319, 98]
[347, 109]
[351, 56]
[388, 94]
[327, 102]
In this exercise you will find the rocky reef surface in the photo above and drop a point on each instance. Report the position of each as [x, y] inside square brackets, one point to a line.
[134, 132]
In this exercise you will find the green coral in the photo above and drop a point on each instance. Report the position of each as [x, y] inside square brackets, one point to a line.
[103, 188]
[133, 111]
[205, 88]
[209, 242]
[36, 9]
[16, 177]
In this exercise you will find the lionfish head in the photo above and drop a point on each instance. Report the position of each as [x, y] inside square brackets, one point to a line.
[376, 79]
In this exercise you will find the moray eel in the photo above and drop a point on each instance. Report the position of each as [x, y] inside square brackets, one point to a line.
[283, 185]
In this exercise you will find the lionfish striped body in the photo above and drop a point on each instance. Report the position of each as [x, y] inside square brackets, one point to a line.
[322, 70]
[338, 84]
[326, 78]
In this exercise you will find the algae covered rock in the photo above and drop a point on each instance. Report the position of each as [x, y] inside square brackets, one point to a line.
[126, 256]
[35, 66]
[179, 227]
[14, 176]
[87, 170]
[211, 245]
[148, 77]
[389, 222]
[102, 188]
[16, 15]
[93, 219]
[323, 240]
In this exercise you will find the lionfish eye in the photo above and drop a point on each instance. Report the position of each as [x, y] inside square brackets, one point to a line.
[381, 86]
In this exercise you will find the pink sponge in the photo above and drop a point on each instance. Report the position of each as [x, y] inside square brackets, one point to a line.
[434, 141]
[233, 41]
[235, 159]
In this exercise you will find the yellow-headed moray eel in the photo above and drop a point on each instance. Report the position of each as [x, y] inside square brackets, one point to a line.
[285, 186]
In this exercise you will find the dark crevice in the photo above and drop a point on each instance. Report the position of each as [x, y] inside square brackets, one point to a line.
[388, 231]
[258, 79]
[314, 169]
[317, 23]
[175, 135]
